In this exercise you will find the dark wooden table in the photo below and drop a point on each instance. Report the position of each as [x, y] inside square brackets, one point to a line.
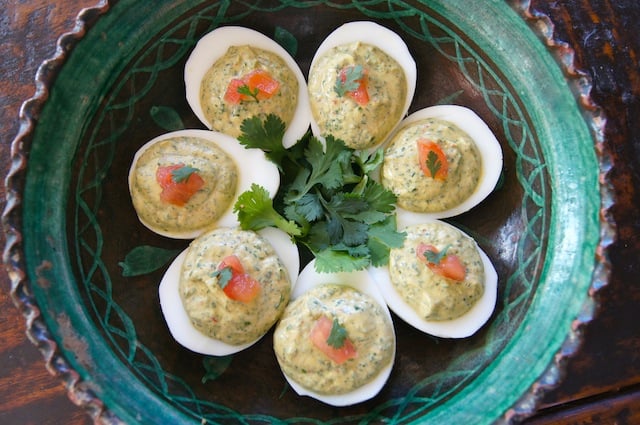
[602, 383]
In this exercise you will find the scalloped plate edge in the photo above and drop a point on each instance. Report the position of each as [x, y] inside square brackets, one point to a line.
[581, 86]
[78, 391]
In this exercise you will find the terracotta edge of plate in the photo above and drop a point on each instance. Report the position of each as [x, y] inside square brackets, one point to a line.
[581, 85]
[78, 391]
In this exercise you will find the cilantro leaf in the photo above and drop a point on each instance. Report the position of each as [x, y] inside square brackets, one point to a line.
[340, 225]
[246, 90]
[223, 275]
[328, 201]
[182, 174]
[310, 206]
[369, 161]
[317, 239]
[349, 232]
[325, 168]
[331, 261]
[433, 163]
[435, 257]
[382, 237]
[337, 336]
[347, 204]
[348, 79]
[266, 135]
[255, 211]
[379, 198]
[355, 251]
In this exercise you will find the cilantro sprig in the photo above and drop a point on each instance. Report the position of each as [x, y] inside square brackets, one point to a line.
[327, 200]
[247, 91]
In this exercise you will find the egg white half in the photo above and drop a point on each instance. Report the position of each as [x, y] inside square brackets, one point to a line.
[252, 166]
[461, 327]
[486, 142]
[214, 45]
[360, 280]
[176, 317]
[376, 35]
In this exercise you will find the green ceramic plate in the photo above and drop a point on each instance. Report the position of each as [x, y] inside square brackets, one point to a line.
[121, 85]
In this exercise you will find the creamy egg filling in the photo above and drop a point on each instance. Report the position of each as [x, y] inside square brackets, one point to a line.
[237, 63]
[421, 191]
[359, 125]
[217, 169]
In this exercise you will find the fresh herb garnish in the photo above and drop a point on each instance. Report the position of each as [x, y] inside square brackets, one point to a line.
[247, 91]
[337, 336]
[433, 163]
[182, 174]
[349, 80]
[432, 159]
[327, 202]
[266, 135]
[436, 257]
[255, 211]
[223, 275]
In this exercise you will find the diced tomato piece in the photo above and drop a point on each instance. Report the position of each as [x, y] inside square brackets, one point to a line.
[319, 336]
[361, 94]
[163, 175]
[258, 79]
[241, 287]
[232, 262]
[449, 266]
[177, 193]
[432, 159]
[261, 80]
[232, 95]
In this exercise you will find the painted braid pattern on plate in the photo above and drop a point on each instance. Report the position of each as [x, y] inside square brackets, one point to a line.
[119, 328]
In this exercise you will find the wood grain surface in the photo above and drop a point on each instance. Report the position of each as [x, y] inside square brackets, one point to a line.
[602, 381]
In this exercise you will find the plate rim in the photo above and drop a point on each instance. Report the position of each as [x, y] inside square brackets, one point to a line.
[86, 398]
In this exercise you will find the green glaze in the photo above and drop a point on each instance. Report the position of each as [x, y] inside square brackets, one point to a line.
[100, 106]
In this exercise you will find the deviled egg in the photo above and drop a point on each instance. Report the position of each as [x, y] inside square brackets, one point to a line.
[235, 73]
[228, 288]
[439, 281]
[183, 182]
[335, 341]
[361, 83]
[442, 160]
